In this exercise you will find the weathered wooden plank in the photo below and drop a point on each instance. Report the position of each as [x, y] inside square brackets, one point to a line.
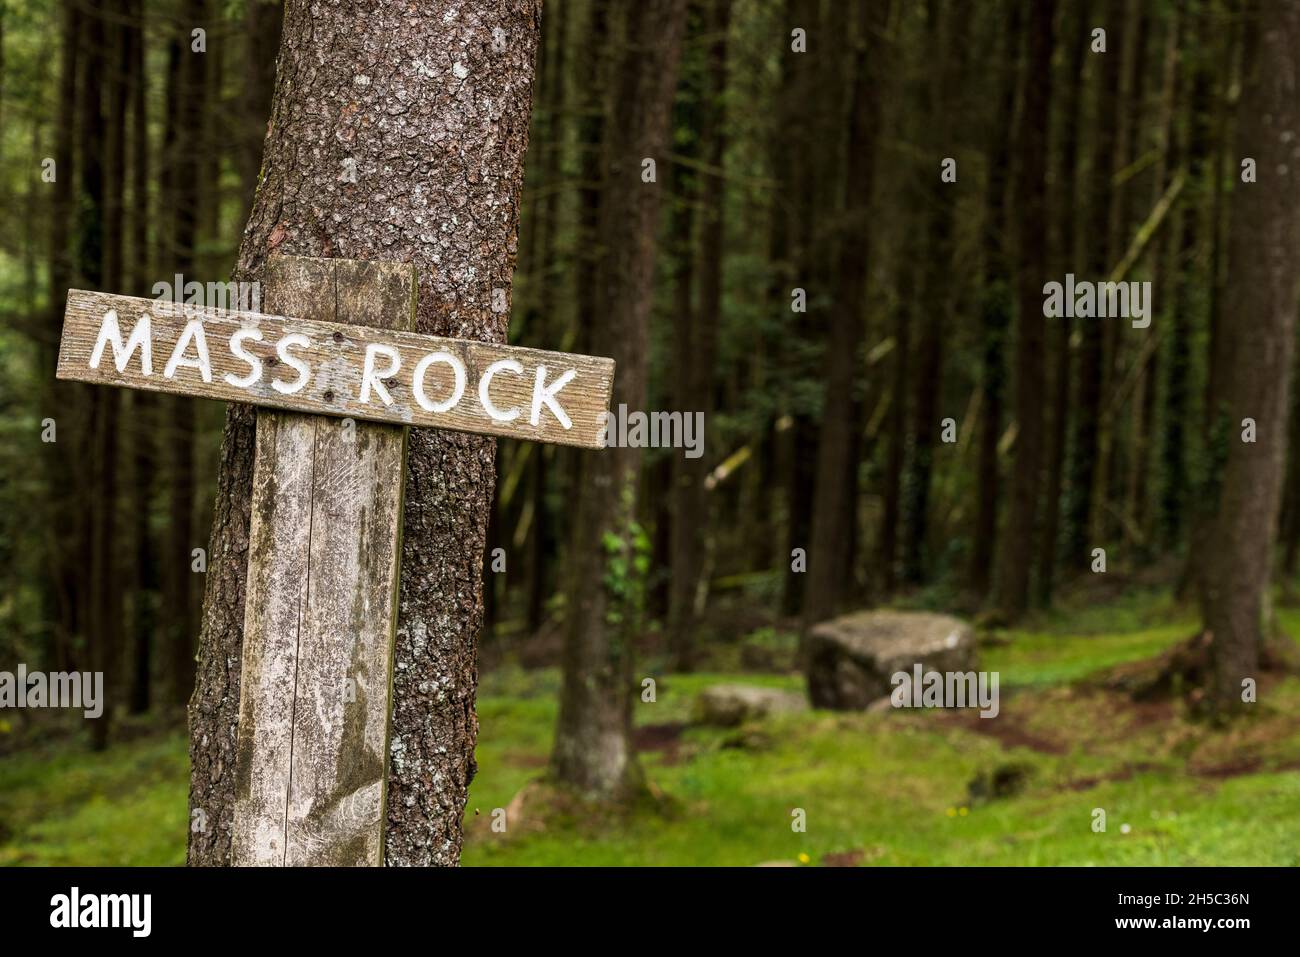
[276, 594]
[336, 794]
[245, 357]
[322, 593]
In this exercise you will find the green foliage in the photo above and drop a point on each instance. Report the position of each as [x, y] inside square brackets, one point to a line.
[627, 564]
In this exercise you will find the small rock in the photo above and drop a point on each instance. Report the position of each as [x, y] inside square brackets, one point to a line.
[852, 659]
[727, 706]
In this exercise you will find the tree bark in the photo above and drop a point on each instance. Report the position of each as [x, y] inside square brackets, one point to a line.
[936, 294]
[593, 749]
[802, 123]
[896, 454]
[555, 97]
[143, 450]
[1144, 447]
[1177, 392]
[697, 342]
[995, 312]
[102, 618]
[1289, 521]
[593, 83]
[63, 401]
[1263, 271]
[1076, 29]
[1083, 485]
[835, 499]
[191, 93]
[1018, 536]
[110, 609]
[677, 548]
[397, 133]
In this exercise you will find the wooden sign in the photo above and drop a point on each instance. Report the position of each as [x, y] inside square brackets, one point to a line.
[315, 696]
[320, 606]
[323, 367]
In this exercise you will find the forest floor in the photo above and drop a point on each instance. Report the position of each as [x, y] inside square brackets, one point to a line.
[902, 787]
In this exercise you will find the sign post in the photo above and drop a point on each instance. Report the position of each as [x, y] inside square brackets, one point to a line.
[338, 387]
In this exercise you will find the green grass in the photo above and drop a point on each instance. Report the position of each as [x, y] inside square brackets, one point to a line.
[894, 789]
[876, 789]
[1039, 659]
[66, 805]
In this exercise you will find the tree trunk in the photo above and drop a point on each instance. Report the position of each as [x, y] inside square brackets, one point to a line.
[835, 500]
[111, 607]
[801, 124]
[428, 105]
[995, 311]
[936, 286]
[765, 488]
[896, 454]
[143, 416]
[543, 540]
[1177, 395]
[593, 748]
[593, 83]
[1289, 523]
[698, 341]
[676, 548]
[179, 586]
[1082, 493]
[1144, 447]
[1077, 30]
[1263, 271]
[1112, 515]
[100, 621]
[1018, 536]
[63, 401]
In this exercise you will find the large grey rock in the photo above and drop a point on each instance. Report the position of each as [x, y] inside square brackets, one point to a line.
[851, 659]
[729, 705]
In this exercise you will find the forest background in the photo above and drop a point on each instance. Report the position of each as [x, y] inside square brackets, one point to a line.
[852, 214]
